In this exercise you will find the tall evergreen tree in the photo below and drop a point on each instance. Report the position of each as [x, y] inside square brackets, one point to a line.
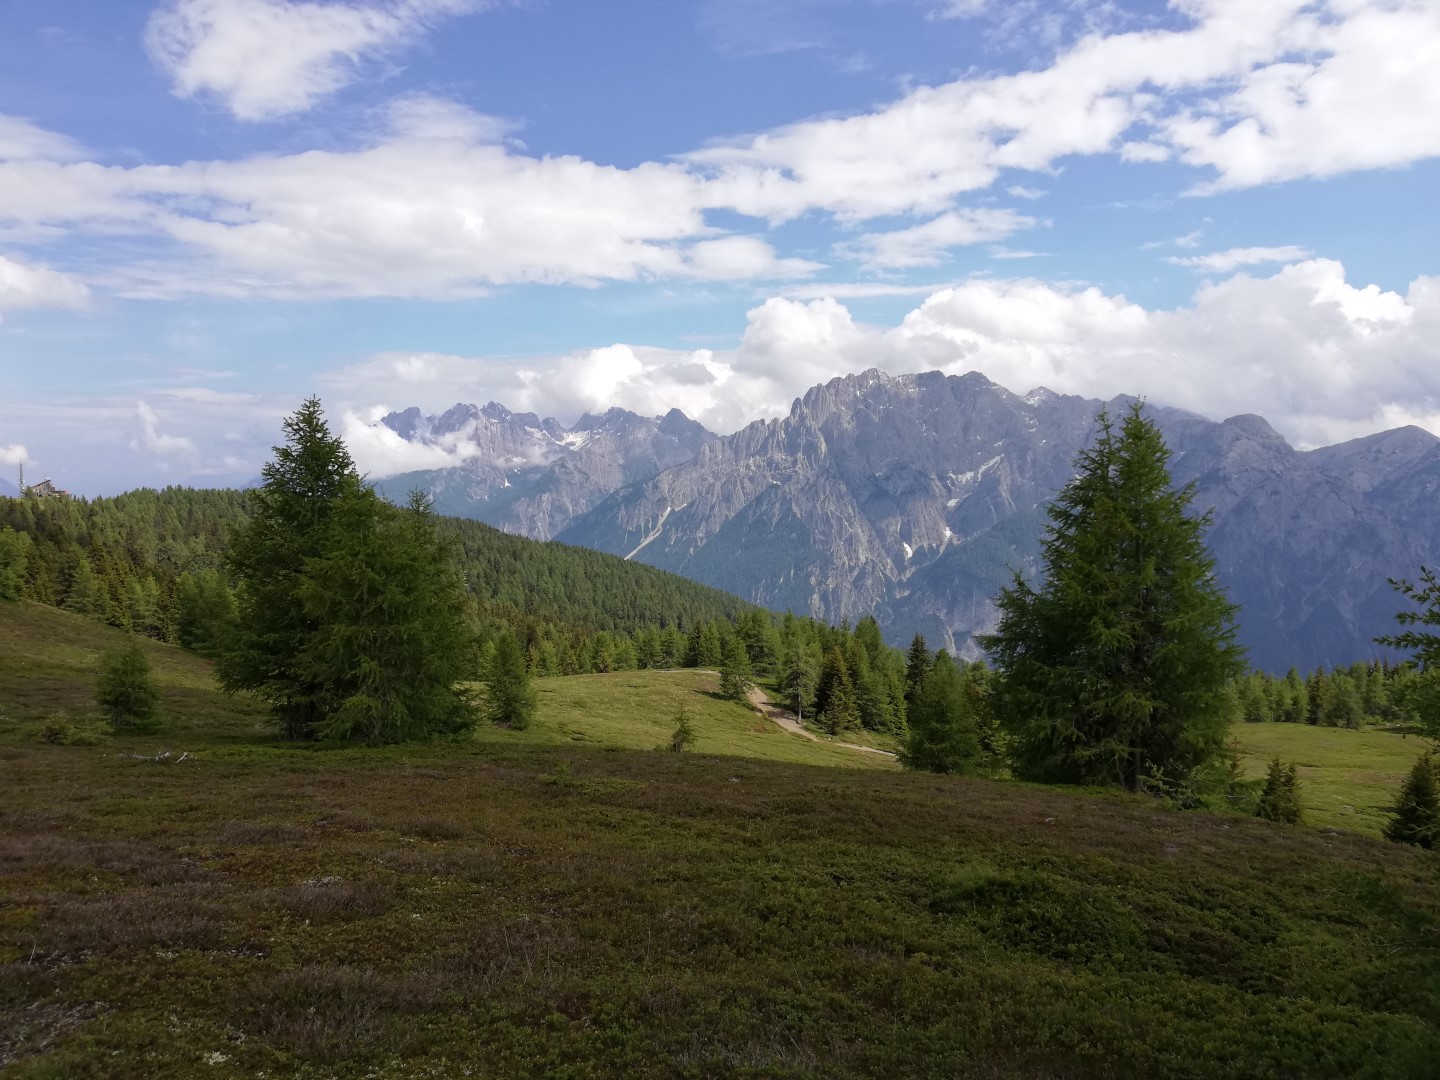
[289, 524]
[1115, 669]
[1416, 819]
[509, 697]
[917, 665]
[735, 672]
[944, 732]
[87, 594]
[799, 678]
[125, 690]
[839, 711]
[1421, 637]
[390, 640]
[1280, 798]
[14, 562]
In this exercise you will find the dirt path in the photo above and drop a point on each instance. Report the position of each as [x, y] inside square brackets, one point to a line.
[787, 720]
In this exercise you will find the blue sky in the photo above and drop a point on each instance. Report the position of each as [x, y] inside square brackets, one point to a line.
[211, 208]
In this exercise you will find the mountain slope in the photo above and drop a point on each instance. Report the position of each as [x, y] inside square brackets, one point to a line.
[532, 476]
[914, 496]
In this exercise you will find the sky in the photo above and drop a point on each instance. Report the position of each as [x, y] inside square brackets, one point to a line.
[211, 209]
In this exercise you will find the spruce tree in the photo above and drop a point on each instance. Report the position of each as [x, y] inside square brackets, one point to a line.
[917, 666]
[509, 697]
[840, 711]
[1115, 669]
[944, 732]
[125, 690]
[350, 615]
[289, 524]
[1280, 798]
[1416, 818]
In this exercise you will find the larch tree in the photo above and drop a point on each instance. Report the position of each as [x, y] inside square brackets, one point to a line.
[350, 616]
[1421, 637]
[14, 560]
[509, 696]
[288, 525]
[735, 672]
[391, 640]
[1114, 669]
[944, 723]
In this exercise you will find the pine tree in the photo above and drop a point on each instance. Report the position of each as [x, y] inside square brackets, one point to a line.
[1280, 798]
[735, 672]
[1115, 670]
[944, 733]
[1416, 819]
[125, 690]
[509, 696]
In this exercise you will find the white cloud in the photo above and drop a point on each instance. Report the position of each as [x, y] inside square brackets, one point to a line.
[1020, 191]
[1320, 358]
[441, 206]
[425, 116]
[926, 244]
[1226, 94]
[1222, 262]
[15, 454]
[22, 140]
[24, 285]
[152, 440]
[1354, 88]
[269, 58]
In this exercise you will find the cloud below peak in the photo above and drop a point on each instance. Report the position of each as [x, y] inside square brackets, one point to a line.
[1322, 359]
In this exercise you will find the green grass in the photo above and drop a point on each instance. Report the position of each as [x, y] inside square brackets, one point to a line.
[524, 906]
[1348, 779]
[635, 710]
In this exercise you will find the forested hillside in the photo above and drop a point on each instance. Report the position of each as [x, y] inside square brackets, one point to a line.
[143, 560]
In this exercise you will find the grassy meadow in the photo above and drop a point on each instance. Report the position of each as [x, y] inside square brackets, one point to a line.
[567, 902]
[1348, 779]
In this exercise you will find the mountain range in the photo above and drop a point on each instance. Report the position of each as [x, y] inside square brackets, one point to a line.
[914, 497]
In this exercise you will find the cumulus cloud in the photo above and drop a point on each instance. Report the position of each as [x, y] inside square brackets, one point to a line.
[1319, 357]
[14, 454]
[1222, 262]
[25, 285]
[269, 58]
[1256, 92]
[1353, 88]
[440, 205]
